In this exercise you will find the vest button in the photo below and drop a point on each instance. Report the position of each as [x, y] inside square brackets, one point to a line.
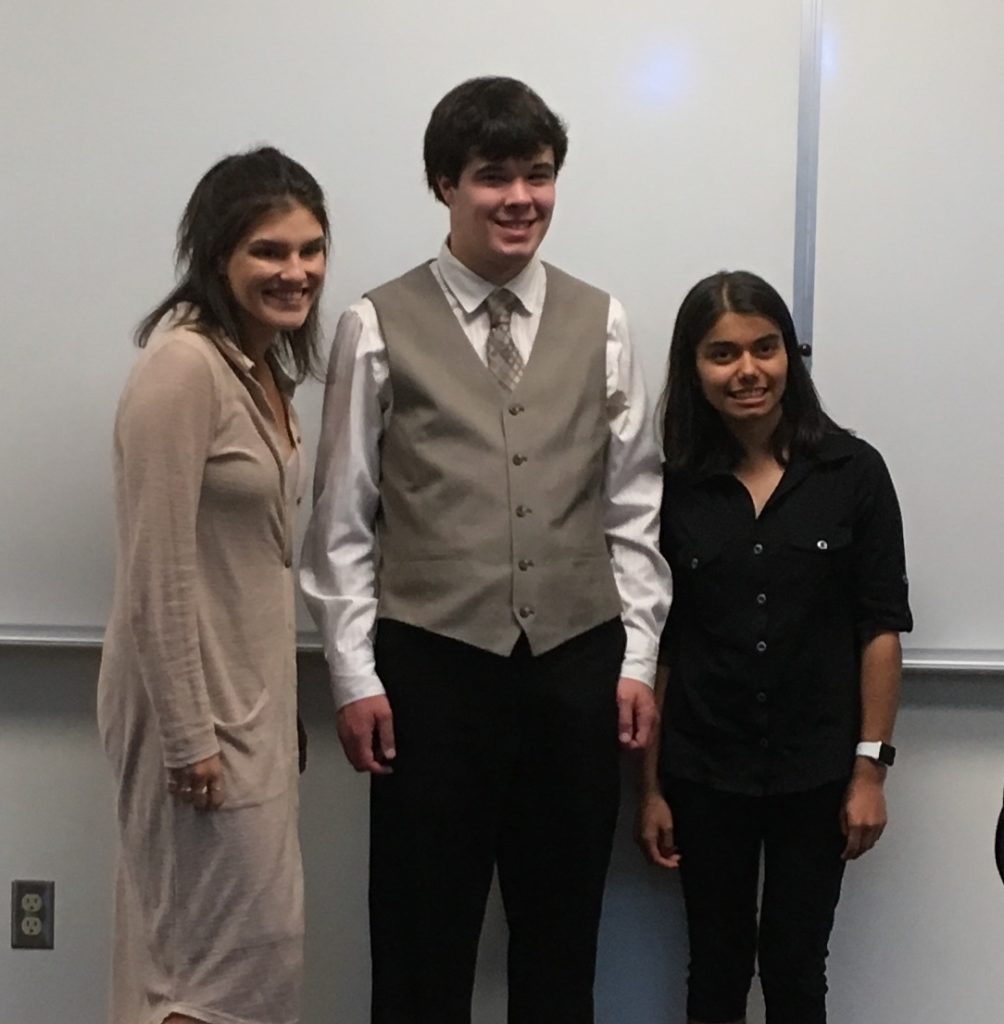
[515, 410]
[523, 510]
[525, 563]
[518, 459]
[525, 612]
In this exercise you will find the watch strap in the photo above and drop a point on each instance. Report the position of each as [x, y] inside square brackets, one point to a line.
[877, 751]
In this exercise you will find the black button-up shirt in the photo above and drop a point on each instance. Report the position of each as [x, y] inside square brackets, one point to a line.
[769, 616]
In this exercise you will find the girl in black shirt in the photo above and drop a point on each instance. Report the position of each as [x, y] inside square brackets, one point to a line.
[780, 663]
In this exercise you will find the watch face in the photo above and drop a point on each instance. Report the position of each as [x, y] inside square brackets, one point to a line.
[887, 754]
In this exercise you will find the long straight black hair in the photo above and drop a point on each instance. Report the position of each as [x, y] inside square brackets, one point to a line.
[232, 197]
[693, 433]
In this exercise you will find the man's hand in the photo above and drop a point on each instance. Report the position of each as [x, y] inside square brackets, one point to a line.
[366, 729]
[637, 714]
[199, 784]
[863, 817]
[654, 831]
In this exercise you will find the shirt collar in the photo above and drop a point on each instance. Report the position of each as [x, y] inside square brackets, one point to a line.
[232, 352]
[833, 447]
[836, 446]
[470, 290]
[239, 359]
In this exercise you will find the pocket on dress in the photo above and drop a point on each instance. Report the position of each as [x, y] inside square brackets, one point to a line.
[251, 753]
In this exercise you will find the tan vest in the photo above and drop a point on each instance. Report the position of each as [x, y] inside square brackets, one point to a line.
[491, 516]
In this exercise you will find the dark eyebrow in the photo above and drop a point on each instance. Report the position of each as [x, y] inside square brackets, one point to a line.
[265, 242]
[773, 336]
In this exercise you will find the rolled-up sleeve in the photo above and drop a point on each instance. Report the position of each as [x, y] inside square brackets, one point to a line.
[880, 577]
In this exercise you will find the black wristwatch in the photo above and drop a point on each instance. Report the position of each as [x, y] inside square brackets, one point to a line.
[877, 751]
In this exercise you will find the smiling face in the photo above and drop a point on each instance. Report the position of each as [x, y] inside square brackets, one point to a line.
[742, 367]
[275, 273]
[500, 211]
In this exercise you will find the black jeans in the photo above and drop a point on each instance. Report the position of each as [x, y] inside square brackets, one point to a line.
[720, 837]
[507, 761]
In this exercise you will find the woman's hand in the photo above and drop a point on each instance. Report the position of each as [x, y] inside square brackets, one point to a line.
[199, 784]
[654, 831]
[863, 818]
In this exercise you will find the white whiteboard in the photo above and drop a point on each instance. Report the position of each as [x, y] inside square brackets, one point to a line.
[908, 328]
[682, 121]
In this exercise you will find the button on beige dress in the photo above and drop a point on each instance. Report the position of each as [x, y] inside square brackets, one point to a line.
[199, 658]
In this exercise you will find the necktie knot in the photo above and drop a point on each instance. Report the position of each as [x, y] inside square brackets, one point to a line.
[500, 305]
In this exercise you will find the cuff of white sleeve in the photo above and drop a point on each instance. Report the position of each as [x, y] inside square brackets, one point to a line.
[642, 669]
[349, 688]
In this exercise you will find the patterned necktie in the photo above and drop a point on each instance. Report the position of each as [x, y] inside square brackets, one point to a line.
[501, 354]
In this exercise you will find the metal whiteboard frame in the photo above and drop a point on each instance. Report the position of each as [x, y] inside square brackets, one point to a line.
[917, 661]
[810, 70]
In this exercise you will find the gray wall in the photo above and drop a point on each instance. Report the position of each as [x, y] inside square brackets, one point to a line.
[919, 933]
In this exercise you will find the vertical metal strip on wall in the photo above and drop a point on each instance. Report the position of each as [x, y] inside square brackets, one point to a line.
[807, 173]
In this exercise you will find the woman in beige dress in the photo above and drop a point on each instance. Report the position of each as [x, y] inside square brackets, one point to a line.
[197, 694]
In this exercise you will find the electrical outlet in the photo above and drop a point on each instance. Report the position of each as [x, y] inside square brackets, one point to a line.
[32, 914]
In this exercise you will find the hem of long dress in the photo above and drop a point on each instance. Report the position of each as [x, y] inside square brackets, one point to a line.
[204, 1016]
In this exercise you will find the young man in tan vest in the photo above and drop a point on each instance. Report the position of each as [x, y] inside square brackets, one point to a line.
[482, 562]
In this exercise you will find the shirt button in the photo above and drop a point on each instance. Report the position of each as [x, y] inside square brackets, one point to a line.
[525, 563]
[299, 501]
[757, 549]
[288, 563]
[515, 410]
[694, 563]
[525, 612]
[761, 599]
[761, 697]
[523, 510]
[764, 743]
[518, 459]
[822, 545]
[761, 646]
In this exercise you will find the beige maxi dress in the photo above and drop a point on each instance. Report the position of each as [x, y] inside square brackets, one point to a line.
[199, 658]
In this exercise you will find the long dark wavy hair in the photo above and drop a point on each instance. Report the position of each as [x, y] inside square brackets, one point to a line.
[694, 434]
[232, 197]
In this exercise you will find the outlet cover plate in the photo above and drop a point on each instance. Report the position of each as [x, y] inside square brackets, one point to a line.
[32, 914]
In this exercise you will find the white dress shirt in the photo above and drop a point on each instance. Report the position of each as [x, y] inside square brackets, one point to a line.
[339, 561]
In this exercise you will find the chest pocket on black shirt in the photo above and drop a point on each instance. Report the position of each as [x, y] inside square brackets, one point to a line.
[701, 569]
[816, 557]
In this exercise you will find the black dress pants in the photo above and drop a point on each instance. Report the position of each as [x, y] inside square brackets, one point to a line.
[501, 761]
[720, 837]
